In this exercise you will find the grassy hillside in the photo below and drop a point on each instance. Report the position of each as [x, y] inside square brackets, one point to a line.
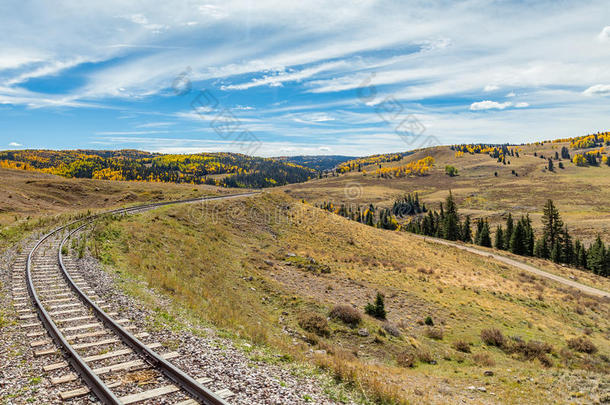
[272, 269]
[30, 200]
[220, 169]
[485, 187]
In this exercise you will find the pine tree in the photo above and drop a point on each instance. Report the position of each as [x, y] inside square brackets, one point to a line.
[499, 240]
[552, 223]
[477, 235]
[567, 254]
[550, 165]
[596, 257]
[556, 252]
[509, 231]
[466, 233]
[529, 236]
[377, 309]
[485, 237]
[451, 230]
[517, 239]
[541, 248]
[581, 256]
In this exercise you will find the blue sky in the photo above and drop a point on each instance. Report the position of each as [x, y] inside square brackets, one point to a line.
[317, 77]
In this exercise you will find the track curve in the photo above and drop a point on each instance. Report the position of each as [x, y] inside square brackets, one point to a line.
[59, 280]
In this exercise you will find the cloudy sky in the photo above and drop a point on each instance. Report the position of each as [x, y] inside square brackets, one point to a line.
[354, 78]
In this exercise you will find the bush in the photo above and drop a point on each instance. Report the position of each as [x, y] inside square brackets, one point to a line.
[391, 329]
[582, 344]
[405, 359]
[484, 359]
[451, 171]
[492, 337]
[425, 356]
[314, 323]
[377, 309]
[530, 350]
[429, 321]
[346, 314]
[461, 346]
[434, 333]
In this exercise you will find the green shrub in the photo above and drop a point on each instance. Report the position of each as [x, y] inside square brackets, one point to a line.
[377, 309]
[451, 171]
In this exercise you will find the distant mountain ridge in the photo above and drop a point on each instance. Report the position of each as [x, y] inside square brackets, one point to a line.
[221, 169]
[317, 162]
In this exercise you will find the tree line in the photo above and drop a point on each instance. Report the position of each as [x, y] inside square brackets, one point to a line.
[239, 170]
[516, 236]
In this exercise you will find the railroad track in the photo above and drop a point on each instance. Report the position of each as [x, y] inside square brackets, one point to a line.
[90, 350]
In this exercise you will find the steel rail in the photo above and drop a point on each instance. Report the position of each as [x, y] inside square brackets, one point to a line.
[96, 385]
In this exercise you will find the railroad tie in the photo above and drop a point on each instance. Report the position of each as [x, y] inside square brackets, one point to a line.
[156, 392]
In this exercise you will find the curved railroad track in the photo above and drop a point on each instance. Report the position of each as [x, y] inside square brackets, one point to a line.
[102, 351]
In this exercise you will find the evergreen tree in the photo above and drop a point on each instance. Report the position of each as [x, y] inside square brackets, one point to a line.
[567, 254]
[541, 248]
[552, 223]
[556, 252]
[377, 309]
[451, 230]
[477, 235]
[581, 256]
[509, 231]
[529, 236]
[596, 257]
[466, 233]
[517, 239]
[499, 240]
[550, 165]
[485, 237]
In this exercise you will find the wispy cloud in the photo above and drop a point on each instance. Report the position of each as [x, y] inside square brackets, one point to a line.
[294, 72]
[489, 105]
[280, 78]
[598, 90]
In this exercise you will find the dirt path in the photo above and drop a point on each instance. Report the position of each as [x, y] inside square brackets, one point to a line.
[522, 266]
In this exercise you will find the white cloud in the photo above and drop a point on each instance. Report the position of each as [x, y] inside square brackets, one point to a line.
[15, 144]
[598, 90]
[277, 80]
[522, 104]
[154, 124]
[511, 94]
[489, 105]
[313, 118]
[491, 87]
[604, 35]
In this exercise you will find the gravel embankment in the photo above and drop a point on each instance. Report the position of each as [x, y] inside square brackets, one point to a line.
[253, 382]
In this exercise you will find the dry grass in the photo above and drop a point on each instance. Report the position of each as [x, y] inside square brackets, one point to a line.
[480, 193]
[230, 270]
